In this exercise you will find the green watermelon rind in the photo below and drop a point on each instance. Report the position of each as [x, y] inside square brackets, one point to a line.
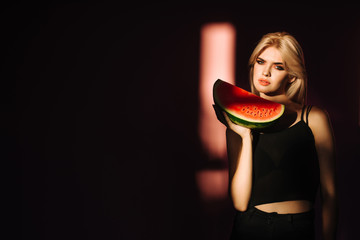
[241, 120]
[251, 124]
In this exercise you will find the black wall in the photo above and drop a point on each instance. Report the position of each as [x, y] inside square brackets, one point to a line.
[99, 113]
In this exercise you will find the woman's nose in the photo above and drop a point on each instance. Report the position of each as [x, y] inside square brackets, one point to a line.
[266, 71]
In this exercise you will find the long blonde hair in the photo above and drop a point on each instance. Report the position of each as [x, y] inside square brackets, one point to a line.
[293, 57]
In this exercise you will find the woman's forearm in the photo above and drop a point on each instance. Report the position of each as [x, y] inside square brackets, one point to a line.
[241, 182]
[329, 218]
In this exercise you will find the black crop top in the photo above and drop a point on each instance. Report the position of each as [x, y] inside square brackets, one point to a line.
[285, 165]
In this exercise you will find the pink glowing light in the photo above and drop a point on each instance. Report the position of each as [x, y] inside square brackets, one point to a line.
[217, 60]
[213, 184]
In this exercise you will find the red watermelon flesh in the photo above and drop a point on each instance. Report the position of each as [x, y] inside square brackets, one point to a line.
[245, 108]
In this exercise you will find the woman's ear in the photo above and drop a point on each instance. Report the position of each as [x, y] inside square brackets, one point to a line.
[292, 79]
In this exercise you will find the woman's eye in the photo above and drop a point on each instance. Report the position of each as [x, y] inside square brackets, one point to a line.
[259, 61]
[279, 67]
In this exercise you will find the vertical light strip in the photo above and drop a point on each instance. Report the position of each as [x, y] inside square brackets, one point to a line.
[217, 60]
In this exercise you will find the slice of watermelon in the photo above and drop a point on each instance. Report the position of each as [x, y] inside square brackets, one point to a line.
[245, 108]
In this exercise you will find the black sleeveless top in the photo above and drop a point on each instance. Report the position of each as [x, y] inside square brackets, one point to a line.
[285, 165]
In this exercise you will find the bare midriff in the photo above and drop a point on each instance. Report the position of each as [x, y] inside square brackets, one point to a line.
[297, 206]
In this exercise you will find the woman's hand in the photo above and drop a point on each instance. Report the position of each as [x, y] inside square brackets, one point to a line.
[243, 132]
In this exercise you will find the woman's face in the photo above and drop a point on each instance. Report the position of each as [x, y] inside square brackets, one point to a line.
[270, 77]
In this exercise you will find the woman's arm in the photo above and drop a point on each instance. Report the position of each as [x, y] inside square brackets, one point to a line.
[324, 141]
[239, 148]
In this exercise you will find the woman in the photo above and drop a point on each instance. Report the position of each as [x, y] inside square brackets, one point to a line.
[275, 172]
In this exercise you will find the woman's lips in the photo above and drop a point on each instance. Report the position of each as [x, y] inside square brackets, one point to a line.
[264, 82]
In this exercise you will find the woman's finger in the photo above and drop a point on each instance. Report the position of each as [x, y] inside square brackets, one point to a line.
[230, 123]
[226, 117]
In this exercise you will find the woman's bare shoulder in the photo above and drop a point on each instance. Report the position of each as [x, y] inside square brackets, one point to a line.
[319, 122]
[318, 115]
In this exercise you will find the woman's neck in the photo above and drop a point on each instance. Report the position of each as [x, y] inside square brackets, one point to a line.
[282, 98]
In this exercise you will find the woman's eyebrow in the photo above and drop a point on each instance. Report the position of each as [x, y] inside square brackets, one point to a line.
[276, 63]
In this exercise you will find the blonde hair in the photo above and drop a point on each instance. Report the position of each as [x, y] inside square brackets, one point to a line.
[294, 63]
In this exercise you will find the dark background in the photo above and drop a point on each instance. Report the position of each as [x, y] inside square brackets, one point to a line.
[99, 113]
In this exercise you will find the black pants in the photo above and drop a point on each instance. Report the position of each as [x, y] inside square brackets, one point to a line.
[255, 224]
